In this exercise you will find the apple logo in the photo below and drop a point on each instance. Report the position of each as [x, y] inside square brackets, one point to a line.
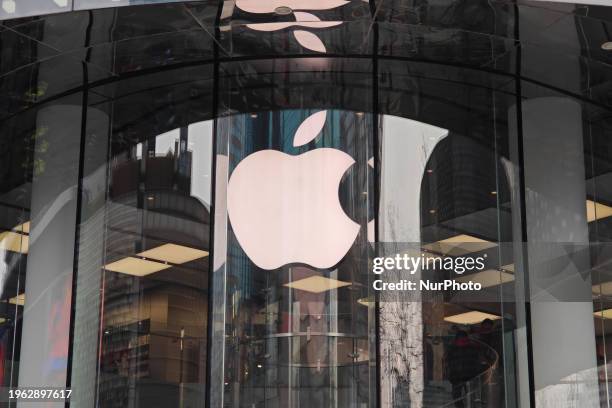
[286, 209]
[306, 39]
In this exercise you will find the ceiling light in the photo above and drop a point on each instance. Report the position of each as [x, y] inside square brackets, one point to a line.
[604, 288]
[316, 284]
[597, 211]
[23, 228]
[136, 266]
[12, 241]
[472, 317]
[607, 46]
[18, 300]
[366, 301]
[9, 6]
[176, 254]
[604, 314]
[488, 278]
[459, 245]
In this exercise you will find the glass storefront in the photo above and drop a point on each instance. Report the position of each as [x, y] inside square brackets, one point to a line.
[193, 196]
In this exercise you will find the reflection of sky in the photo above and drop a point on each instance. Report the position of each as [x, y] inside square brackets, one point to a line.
[3, 271]
[200, 144]
[164, 143]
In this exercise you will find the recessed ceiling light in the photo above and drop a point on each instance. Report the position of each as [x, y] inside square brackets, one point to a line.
[604, 288]
[604, 314]
[459, 245]
[150, 198]
[18, 300]
[24, 228]
[597, 211]
[607, 46]
[14, 242]
[493, 192]
[136, 266]
[472, 317]
[366, 301]
[488, 278]
[316, 284]
[176, 254]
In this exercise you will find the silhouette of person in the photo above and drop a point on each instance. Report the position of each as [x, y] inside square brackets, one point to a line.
[463, 362]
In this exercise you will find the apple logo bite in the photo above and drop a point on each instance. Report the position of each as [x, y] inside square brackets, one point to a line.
[285, 209]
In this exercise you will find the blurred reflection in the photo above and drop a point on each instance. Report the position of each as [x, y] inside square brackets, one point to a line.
[155, 280]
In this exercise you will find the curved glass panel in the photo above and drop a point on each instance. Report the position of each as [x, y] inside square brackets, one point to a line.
[225, 204]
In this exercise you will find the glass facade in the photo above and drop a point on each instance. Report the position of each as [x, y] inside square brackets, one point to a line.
[194, 196]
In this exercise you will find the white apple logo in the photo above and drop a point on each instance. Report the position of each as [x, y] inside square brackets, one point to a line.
[285, 209]
[306, 39]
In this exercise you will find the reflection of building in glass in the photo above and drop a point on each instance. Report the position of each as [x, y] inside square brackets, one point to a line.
[136, 273]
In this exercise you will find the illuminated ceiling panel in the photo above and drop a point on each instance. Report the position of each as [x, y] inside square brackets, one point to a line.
[176, 254]
[136, 266]
[14, 242]
[366, 301]
[18, 300]
[604, 288]
[24, 228]
[596, 211]
[472, 317]
[488, 278]
[459, 245]
[316, 284]
[604, 314]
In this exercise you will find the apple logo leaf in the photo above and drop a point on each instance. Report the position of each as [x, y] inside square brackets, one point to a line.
[310, 20]
[302, 20]
[309, 129]
[309, 40]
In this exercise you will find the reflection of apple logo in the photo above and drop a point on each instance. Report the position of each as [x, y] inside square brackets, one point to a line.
[285, 209]
[306, 39]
